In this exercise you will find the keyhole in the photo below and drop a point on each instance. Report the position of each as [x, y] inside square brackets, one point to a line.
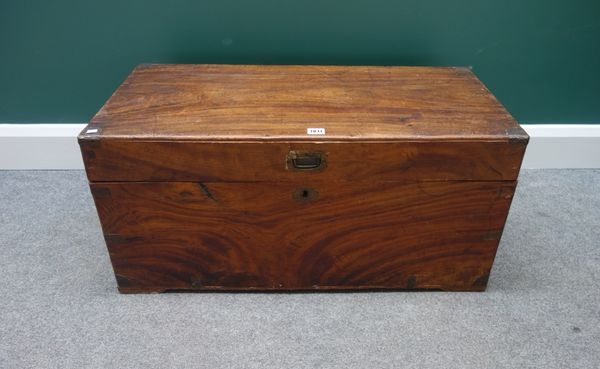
[305, 194]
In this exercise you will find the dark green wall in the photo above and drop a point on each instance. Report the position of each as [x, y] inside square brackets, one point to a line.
[60, 60]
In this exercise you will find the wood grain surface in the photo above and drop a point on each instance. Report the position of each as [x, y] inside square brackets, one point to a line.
[200, 180]
[304, 235]
[246, 102]
[117, 160]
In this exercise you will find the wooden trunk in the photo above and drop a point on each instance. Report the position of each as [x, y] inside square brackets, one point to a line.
[223, 177]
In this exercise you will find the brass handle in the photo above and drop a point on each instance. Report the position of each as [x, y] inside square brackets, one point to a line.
[305, 160]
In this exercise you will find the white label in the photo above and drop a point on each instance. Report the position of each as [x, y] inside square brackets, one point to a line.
[93, 130]
[315, 131]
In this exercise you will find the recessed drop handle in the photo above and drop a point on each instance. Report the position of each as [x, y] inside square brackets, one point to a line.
[305, 160]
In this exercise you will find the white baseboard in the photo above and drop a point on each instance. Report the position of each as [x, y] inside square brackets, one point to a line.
[562, 146]
[40, 146]
[54, 146]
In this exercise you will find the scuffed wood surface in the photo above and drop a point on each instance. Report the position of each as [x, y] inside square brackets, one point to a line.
[245, 102]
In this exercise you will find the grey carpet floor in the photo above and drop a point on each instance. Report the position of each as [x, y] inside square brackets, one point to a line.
[60, 309]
